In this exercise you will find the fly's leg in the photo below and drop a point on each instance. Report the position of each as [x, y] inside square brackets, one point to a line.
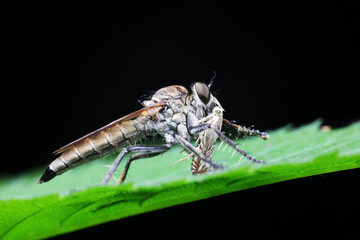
[140, 152]
[247, 131]
[190, 148]
[138, 156]
[147, 151]
[202, 127]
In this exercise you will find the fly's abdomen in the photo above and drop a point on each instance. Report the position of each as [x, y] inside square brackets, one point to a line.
[96, 144]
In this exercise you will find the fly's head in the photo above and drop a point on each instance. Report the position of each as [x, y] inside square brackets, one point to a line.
[203, 98]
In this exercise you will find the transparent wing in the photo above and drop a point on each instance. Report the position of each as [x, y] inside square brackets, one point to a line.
[125, 118]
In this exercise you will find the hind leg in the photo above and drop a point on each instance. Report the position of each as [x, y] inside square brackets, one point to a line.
[140, 152]
[135, 157]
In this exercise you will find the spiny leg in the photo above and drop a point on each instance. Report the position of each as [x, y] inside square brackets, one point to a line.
[202, 127]
[197, 152]
[147, 150]
[115, 165]
[247, 131]
[188, 156]
[136, 156]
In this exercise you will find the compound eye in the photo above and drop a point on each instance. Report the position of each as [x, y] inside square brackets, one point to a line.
[203, 92]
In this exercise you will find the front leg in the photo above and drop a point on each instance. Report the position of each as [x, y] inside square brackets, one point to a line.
[247, 131]
[202, 127]
[190, 148]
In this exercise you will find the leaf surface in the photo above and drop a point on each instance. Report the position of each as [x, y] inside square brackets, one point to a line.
[77, 200]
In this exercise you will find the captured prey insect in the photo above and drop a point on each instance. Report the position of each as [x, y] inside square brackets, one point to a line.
[210, 127]
[174, 114]
[206, 140]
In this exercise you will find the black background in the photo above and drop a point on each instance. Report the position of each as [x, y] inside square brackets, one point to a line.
[71, 69]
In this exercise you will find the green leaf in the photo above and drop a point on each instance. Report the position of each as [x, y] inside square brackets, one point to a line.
[77, 200]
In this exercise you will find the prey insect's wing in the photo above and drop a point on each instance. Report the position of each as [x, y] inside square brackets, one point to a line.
[125, 118]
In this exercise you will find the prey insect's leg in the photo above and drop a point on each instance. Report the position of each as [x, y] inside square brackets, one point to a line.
[188, 156]
[197, 152]
[225, 139]
[142, 151]
[247, 131]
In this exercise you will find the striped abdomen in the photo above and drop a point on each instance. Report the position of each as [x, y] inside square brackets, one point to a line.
[104, 140]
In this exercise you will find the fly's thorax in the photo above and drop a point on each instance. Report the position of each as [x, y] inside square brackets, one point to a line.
[170, 92]
[175, 112]
[174, 96]
[179, 118]
[170, 123]
[165, 114]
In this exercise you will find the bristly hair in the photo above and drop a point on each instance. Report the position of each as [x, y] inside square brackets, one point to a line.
[212, 80]
[216, 92]
[146, 96]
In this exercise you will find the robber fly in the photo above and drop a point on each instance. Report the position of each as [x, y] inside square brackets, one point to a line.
[173, 113]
